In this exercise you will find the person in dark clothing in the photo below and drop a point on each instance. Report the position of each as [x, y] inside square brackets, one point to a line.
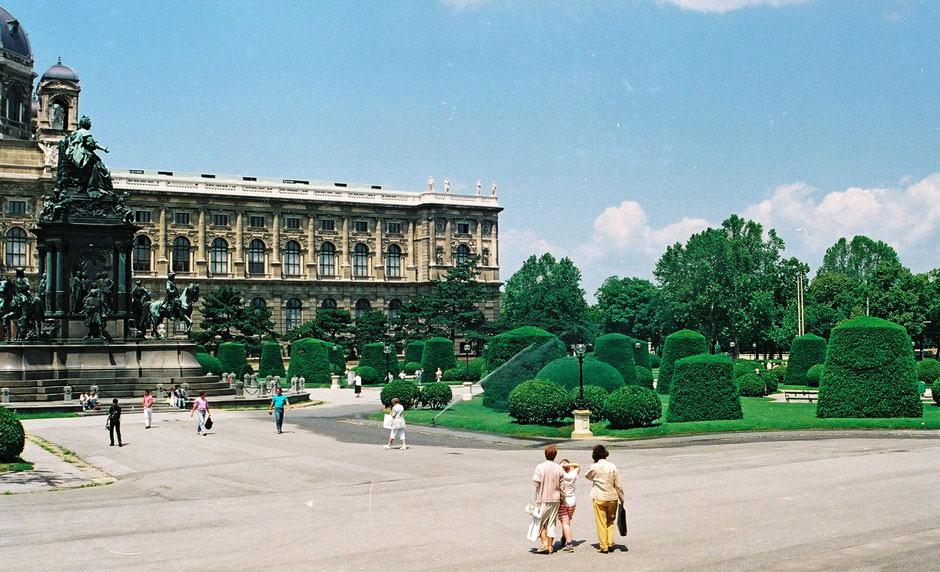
[114, 422]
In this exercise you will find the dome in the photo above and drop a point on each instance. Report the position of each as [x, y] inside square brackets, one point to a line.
[60, 71]
[13, 35]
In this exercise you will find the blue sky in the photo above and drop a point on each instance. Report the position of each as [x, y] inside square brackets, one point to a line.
[612, 128]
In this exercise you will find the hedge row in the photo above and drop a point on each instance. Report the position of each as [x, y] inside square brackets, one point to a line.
[805, 352]
[617, 351]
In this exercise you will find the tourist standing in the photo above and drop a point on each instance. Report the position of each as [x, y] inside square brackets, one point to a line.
[549, 481]
[419, 373]
[114, 422]
[201, 405]
[278, 402]
[357, 382]
[606, 492]
[566, 507]
[398, 424]
[148, 408]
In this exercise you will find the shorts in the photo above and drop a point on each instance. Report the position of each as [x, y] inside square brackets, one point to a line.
[565, 512]
[397, 434]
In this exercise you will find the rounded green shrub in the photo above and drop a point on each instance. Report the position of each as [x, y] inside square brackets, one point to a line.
[565, 372]
[506, 345]
[775, 377]
[411, 367]
[928, 370]
[436, 395]
[271, 362]
[870, 372]
[655, 361]
[594, 396]
[744, 367]
[641, 354]
[538, 401]
[404, 389]
[702, 390]
[750, 385]
[337, 356]
[374, 356]
[805, 352]
[681, 344]
[12, 436]
[644, 377]
[815, 374]
[414, 351]
[476, 369]
[309, 359]
[438, 353]
[369, 375]
[520, 367]
[233, 358]
[454, 374]
[201, 349]
[617, 350]
[210, 364]
[632, 406]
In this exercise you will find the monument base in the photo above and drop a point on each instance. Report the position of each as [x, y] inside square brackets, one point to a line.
[582, 424]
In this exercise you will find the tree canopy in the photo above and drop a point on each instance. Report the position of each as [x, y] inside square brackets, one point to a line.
[544, 293]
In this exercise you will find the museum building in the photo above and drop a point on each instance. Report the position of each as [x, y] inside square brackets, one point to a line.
[290, 245]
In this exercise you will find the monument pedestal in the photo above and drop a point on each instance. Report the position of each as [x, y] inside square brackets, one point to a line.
[582, 424]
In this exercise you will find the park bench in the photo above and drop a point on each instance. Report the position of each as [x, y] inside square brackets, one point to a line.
[800, 395]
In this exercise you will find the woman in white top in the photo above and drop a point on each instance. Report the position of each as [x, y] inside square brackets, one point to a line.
[398, 424]
[566, 510]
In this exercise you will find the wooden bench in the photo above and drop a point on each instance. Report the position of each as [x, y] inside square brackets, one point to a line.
[800, 395]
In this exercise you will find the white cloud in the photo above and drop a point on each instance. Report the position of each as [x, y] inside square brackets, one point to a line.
[722, 6]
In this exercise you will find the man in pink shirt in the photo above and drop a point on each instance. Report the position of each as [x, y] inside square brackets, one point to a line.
[201, 404]
[148, 409]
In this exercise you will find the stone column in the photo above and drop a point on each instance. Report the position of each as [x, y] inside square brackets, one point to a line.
[163, 248]
[411, 256]
[61, 281]
[51, 278]
[448, 237]
[379, 262]
[311, 250]
[345, 267]
[479, 237]
[239, 261]
[201, 264]
[276, 246]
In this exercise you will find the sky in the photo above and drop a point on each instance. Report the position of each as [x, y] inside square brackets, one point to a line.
[611, 128]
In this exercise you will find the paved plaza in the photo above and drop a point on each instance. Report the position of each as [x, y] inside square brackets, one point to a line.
[325, 495]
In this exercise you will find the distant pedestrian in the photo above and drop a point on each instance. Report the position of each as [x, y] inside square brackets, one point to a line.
[566, 507]
[114, 422]
[278, 402]
[401, 374]
[390, 378]
[419, 373]
[201, 404]
[398, 424]
[357, 382]
[549, 480]
[148, 409]
[605, 493]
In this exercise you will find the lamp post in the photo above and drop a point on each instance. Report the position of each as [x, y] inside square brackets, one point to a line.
[387, 349]
[732, 349]
[579, 350]
[466, 347]
[582, 417]
[755, 349]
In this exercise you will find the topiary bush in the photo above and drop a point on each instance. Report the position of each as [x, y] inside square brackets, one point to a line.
[594, 396]
[453, 374]
[750, 385]
[870, 372]
[414, 351]
[744, 367]
[438, 353]
[201, 349]
[617, 350]
[805, 352]
[210, 364]
[702, 390]
[655, 361]
[774, 378]
[928, 370]
[271, 362]
[538, 401]
[632, 406]
[233, 358]
[644, 377]
[641, 355]
[309, 359]
[369, 375]
[404, 389]
[374, 356]
[506, 345]
[814, 375]
[522, 366]
[935, 391]
[476, 369]
[12, 436]
[411, 367]
[681, 344]
[436, 395]
[565, 372]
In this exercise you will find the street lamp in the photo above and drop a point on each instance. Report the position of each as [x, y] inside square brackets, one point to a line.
[732, 350]
[387, 349]
[754, 345]
[579, 350]
[466, 347]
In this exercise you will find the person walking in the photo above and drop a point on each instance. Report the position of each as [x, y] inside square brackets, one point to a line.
[357, 383]
[201, 404]
[419, 374]
[148, 409]
[278, 402]
[398, 424]
[566, 507]
[549, 482]
[114, 422]
[605, 493]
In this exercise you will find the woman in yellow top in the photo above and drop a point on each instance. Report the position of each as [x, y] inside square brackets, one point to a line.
[605, 493]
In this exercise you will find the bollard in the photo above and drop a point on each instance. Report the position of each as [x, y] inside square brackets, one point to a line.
[67, 390]
[239, 389]
[6, 394]
[467, 390]
[334, 381]
[293, 384]
[161, 392]
[246, 379]
[254, 379]
[302, 382]
[273, 382]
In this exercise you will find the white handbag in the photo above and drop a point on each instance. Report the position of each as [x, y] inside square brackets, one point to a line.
[387, 421]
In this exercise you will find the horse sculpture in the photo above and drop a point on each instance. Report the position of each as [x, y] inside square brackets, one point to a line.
[155, 312]
[7, 312]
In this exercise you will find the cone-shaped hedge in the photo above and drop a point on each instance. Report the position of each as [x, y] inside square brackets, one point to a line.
[506, 345]
[617, 350]
[805, 352]
[233, 358]
[641, 355]
[438, 353]
[271, 361]
[681, 344]
[414, 351]
[521, 367]
[870, 372]
[644, 377]
[210, 364]
[702, 390]
[309, 360]
[565, 372]
[373, 355]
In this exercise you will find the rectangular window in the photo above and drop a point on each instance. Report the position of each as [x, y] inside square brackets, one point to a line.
[361, 226]
[256, 221]
[16, 207]
[292, 223]
[327, 224]
[220, 220]
[393, 227]
[142, 216]
[181, 218]
[463, 228]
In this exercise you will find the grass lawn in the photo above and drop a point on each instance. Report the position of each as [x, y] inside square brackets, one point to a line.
[45, 415]
[760, 414]
[15, 466]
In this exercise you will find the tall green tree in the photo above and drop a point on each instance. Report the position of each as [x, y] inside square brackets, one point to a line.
[371, 326]
[451, 307]
[226, 318]
[545, 293]
[629, 306]
[857, 259]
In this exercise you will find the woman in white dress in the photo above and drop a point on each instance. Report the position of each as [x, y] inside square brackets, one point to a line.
[398, 424]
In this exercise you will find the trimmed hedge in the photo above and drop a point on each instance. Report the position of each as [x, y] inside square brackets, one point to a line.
[655, 361]
[702, 390]
[411, 367]
[271, 362]
[414, 351]
[617, 350]
[210, 364]
[538, 401]
[935, 391]
[233, 358]
[12, 436]
[644, 377]
[744, 367]
[870, 372]
[374, 356]
[928, 370]
[681, 344]
[565, 372]
[504, 346]
[774, 378]
[201, 349]
[524, 365]
[404, 389]
[750, 385]
[438, 353]
[436, 395]
[641, 355]
[369, 375]
[453, 374]
[476, 369]
[632, 406]
[594, 396]
[309, 359]
[814, 374]
[805, 352]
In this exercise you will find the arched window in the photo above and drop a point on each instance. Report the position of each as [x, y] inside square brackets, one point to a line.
[328, 303]
[218, 257]
[255, 257]
[362, 306]
[180, 254]
[258, 304]
[361, 260]
[327, 259]
[463, 255]
[60, 115]
[394, 307]
[292, 314]
[141, 254]
[292, 258]
[16, 247]
[393, 261]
